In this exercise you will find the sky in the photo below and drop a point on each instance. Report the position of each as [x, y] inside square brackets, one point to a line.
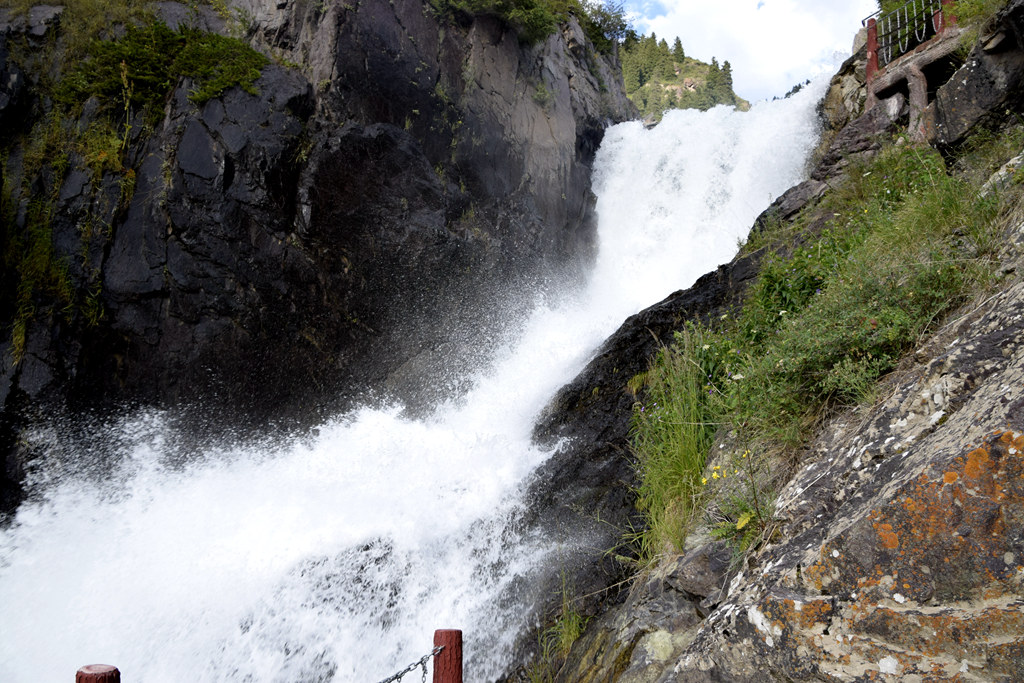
[771, 44]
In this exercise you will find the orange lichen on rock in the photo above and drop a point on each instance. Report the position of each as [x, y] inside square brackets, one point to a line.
[889, 539]
[978, 463]
[930, 577]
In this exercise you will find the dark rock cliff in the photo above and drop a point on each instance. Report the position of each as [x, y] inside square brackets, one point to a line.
[398, 173]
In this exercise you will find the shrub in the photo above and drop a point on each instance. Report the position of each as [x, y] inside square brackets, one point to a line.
[154, 58]
[534, 20]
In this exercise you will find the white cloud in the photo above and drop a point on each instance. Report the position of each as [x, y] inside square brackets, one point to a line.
[771, 44]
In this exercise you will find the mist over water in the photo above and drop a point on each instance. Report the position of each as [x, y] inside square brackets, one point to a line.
[333, 557]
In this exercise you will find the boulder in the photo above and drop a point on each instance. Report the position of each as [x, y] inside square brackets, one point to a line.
[985, 89]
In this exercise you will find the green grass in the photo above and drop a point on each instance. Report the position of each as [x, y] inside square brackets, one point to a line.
[42, 273]
[84, 21]
[34, 275]
[557, 639]
[832, 311]
[674, 435]
[975, 18]
[976, 12]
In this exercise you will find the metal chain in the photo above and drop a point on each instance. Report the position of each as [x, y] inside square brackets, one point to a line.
[422, 664]
[921, 22]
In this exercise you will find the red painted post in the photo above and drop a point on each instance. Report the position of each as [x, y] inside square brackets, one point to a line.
[872, 66]
[948, 18]
[448, 663]
[98, 673]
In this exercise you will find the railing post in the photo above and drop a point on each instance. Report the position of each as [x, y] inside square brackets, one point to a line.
[872, 66]
[98, 673]
[448, 663]
[948, 18]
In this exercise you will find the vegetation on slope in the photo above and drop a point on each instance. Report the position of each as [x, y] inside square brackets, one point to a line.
[604, 23]
[119, 56]
[832, 311]
[963, 10]
[658, 78]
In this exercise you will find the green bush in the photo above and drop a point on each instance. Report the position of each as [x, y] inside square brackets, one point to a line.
[153, 58]
[823, 323]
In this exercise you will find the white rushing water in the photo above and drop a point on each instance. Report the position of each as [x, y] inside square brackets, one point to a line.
[334, 557]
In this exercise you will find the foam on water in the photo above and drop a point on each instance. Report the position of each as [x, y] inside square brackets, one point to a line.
[334, 557]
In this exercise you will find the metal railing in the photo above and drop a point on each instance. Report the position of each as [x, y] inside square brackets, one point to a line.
[903, 29]
[894, 33]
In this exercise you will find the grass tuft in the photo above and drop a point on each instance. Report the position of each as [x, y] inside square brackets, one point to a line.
[673, 427]
[557, 639]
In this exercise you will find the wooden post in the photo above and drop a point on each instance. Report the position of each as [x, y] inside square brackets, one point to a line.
[448, 664]
[872, 66]
[98, 673]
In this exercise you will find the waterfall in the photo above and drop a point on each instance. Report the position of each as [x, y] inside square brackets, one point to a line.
[333, 557]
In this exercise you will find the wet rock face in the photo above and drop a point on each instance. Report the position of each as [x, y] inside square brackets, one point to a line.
[199, 270]
[347, 228]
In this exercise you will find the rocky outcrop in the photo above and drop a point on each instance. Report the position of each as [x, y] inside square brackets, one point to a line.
[985, 88]
[915, 570]
[273, 251]
[897, 554]
[844, 101]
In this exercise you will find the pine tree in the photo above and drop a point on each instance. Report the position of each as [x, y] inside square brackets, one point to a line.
[650, 59]
[665, 65]
[714, 81]
[677, 51]
[632, 75]
[671, 100]
[727, 79]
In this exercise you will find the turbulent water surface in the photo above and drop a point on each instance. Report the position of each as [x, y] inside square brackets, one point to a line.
[335, 556]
